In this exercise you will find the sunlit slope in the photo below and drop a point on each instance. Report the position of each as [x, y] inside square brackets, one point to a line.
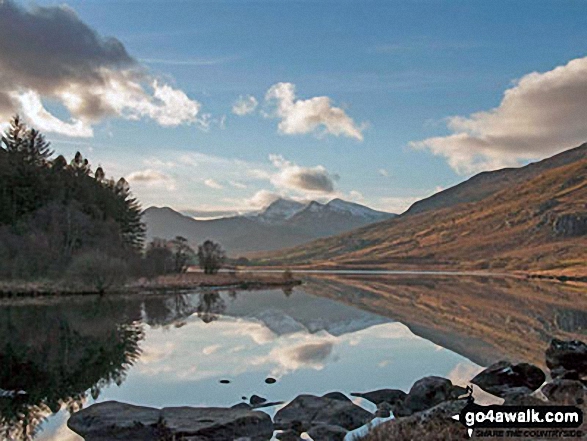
[538, 225]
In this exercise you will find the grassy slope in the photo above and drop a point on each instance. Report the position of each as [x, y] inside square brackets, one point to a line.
[510, 230]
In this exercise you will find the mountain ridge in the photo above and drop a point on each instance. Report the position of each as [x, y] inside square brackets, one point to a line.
[283, 223]
[538, 224]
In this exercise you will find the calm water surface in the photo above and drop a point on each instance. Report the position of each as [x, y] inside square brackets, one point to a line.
[173, 350]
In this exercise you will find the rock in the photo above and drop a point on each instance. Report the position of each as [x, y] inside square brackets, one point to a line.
[383, 410]
[570, 225]
[458, 392]
[336, 396]
[256, 400]
[288, 435]
[270, 404]
[501, 377]
[521, 397]
[310, 410]
[421, 425]
[563, 374]
[324, 432]
[425, 394]
[568, 392]
[382, 396]
[270, 380]
[241, 406]
[569, 355]
[216, 423]
[112, 420]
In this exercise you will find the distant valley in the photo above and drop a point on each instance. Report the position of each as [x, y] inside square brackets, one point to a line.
[284, 223]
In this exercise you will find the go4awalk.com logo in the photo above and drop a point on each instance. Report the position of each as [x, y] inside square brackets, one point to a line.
[530, 422]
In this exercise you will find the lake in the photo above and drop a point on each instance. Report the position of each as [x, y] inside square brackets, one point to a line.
[348, 333]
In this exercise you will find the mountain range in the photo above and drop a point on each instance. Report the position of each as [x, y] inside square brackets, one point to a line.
[531, 219]
[284, 223]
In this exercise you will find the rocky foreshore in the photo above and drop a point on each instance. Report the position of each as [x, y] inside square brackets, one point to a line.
[424, 412]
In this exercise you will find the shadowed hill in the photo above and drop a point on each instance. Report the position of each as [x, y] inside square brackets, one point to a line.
[487, 183]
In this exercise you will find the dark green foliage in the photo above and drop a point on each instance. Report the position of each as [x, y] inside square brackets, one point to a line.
[52, 211]
[211, 257]
[158, 259]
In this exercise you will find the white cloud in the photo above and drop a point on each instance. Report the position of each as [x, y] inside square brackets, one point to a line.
[541, 115]
[383, 172]
[263, 198]
[305, 179]
[212, 183]
[315, 115]
[48, 53]
[32, 109]
[237, 184]
[245, 105]
[151, 178]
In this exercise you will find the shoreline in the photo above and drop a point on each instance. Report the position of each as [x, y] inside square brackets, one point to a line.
[176, 282]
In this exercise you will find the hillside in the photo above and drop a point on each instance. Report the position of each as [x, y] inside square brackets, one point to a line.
[284, 223]
[538, 225]
[485, 184]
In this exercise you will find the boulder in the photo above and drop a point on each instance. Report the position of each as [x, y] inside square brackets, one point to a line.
[324, 432]
[336, 396]
[383, 410]
[288, 435]
[216, 423]
[309, 410]
[256, 400]
[500, 378]
[569, 355]
[435, 423]
[112, 420]
[567, 392]
[381, 396]
[425, 394]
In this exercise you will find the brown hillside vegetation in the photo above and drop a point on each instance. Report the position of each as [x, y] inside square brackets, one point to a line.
[485, 319]
[537, 226]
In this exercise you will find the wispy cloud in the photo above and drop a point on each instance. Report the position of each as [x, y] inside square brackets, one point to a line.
[245, 105]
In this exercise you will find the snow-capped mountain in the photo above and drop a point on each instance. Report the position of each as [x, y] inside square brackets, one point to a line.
[284, 223]
[278, 211]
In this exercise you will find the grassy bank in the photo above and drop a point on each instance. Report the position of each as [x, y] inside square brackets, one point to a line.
[192, 280]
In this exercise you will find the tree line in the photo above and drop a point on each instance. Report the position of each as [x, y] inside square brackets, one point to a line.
[61, 219]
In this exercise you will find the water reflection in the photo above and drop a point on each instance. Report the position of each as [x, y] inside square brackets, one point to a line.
[59, 355]
[172, 350]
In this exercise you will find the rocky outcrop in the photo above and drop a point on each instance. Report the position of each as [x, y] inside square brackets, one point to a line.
[568, 392]
[382, 396]
[424, 394]
[306, 411]
[114, 420]
[503, 378]
[567, 356]
[324, 432]
[570, 225]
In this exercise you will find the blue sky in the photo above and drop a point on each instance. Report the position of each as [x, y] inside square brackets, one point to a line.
[394, 73]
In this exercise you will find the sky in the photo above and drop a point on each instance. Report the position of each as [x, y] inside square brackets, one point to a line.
[218, 107]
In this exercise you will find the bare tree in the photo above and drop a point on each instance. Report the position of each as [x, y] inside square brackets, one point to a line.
[211, 256]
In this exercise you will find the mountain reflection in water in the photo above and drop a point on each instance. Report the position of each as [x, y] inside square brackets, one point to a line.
[165, 350]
